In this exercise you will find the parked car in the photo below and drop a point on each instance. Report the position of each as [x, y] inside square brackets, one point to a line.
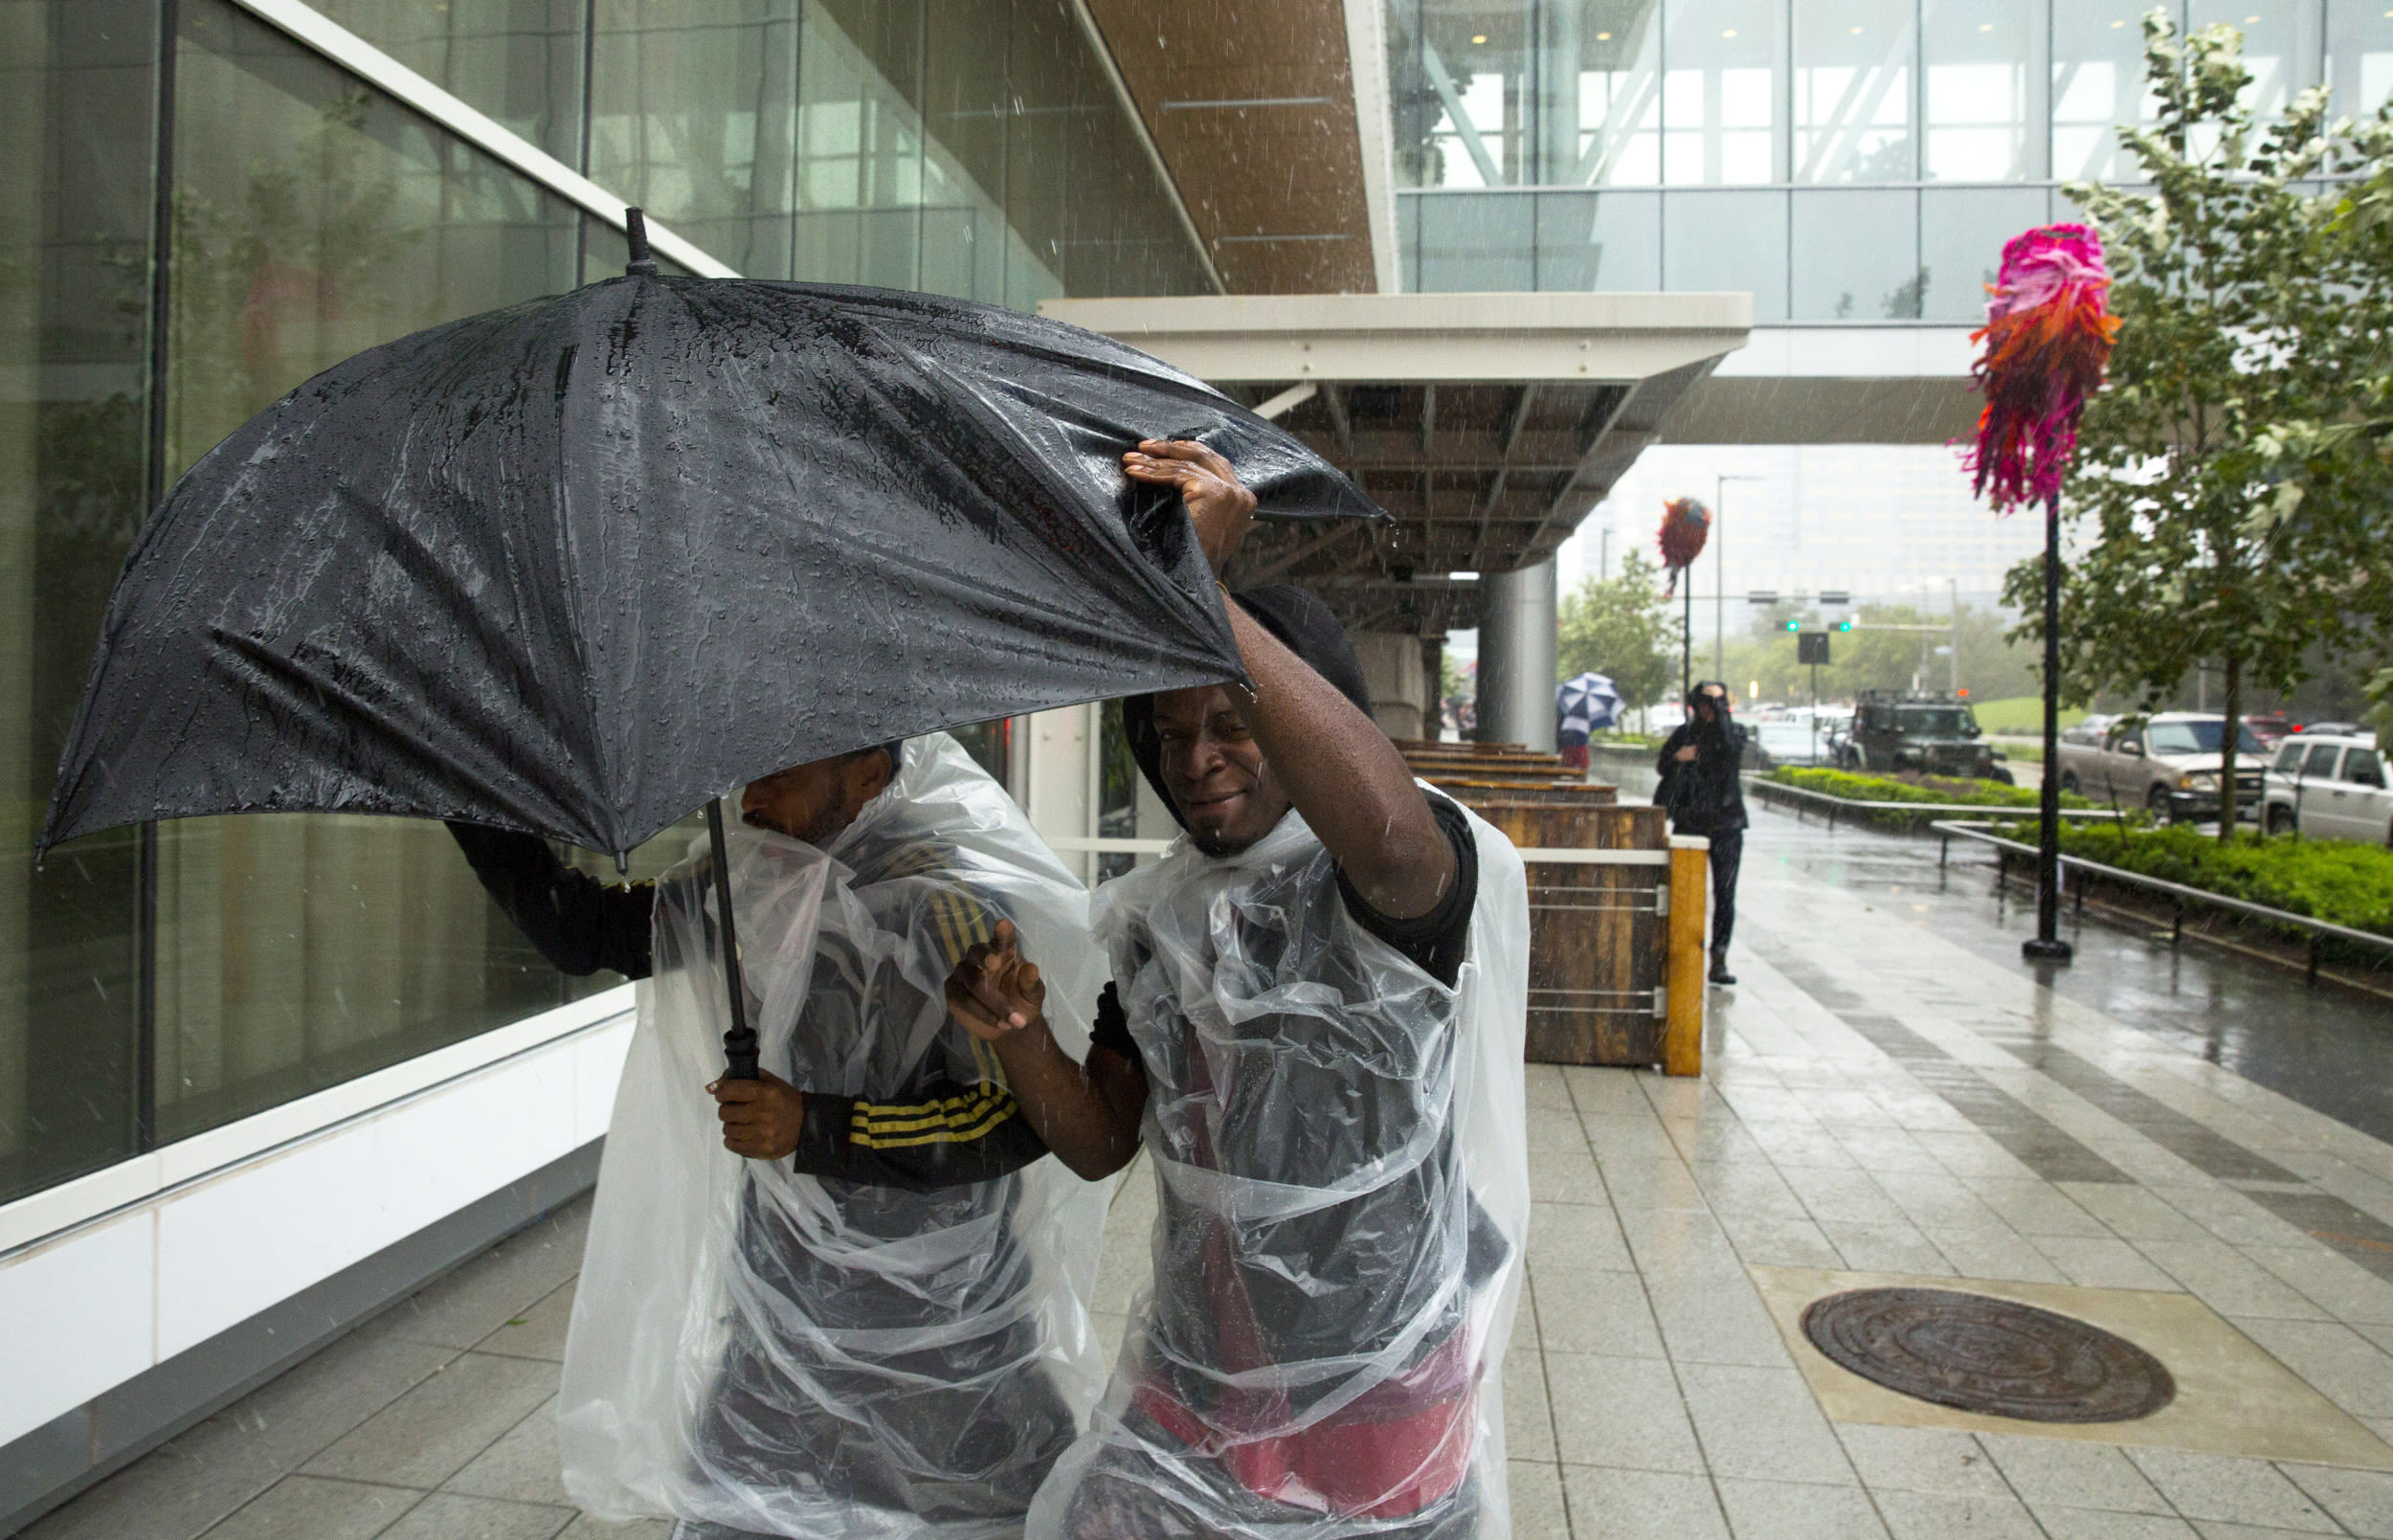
[2272, 726]
[2330, 786]
[2167, 764]
[1793, 741]
[1933, 734]
[2088, 729]
[2337, 729]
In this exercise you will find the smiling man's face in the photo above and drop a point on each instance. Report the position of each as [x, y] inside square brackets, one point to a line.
[1214, 770]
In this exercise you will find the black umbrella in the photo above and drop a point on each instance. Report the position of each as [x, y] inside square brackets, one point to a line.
[574, 567]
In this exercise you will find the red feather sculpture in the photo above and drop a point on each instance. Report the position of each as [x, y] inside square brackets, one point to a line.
[2047, 337]
[1686, 525]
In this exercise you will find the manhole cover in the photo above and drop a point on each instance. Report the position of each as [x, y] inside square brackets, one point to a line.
[1989, 1355]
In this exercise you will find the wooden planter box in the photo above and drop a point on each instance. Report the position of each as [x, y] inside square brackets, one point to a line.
[1599, 942]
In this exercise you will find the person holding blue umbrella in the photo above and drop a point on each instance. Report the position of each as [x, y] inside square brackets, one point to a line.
[1583, 706]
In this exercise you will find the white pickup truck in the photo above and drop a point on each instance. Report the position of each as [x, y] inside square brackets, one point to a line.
[2166, 764]
[2330, 786]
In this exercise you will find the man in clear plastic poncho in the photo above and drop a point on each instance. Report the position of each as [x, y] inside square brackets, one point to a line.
[1315, 1026]
[874, 1325]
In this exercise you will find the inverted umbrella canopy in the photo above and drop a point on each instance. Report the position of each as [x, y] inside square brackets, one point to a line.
[1586, 704]
[578, 566]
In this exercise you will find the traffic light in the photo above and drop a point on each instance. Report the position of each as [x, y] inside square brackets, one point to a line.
[1794, 625]
[1845, 625]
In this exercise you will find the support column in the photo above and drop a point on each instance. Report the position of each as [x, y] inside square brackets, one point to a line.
[1391, 673]
[1517, 656]
[1433, 686]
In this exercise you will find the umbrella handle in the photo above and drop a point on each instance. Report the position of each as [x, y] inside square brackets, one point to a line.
[739, 1045]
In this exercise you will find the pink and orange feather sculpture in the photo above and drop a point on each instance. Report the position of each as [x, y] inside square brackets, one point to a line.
[2047, 337]
[1686, 524]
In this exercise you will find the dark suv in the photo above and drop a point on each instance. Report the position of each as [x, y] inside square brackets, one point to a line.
[1930, 734]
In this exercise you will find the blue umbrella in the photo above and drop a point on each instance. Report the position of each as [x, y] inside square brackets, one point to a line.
[1584, 706]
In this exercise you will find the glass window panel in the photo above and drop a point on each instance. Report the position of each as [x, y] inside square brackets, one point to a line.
[1463, 91]
[77, 83]
[1852, 90]
[694, 117]
[1721, 104]
[520, 61]
[1961, 232]
[1600, 240]
[1978, 55]
[2360, 54]
[1855, 256]
[1478, 242]
[2281, 45]
[2097, 85]
[1616, 132]
[315, 218]
[1712, 241]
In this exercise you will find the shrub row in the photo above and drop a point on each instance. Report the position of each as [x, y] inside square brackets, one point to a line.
[1923, 788]
[2337, 881]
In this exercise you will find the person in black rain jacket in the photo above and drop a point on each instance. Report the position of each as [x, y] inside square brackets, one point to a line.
[1700, 787]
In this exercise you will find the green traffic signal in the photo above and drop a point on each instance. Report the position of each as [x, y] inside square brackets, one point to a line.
[1794, 625]
[1845, 625]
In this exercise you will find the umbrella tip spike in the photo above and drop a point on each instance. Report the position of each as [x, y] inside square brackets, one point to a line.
[635, 238]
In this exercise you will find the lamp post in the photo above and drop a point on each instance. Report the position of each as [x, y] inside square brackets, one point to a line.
[1719, 577]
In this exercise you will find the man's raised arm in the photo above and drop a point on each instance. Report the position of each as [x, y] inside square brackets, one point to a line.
[1339, 770]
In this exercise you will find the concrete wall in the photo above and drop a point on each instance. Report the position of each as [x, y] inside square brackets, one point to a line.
[138, 1299]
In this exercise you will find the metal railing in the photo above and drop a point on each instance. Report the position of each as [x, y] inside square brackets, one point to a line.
[1769, 790]
[2179, 894]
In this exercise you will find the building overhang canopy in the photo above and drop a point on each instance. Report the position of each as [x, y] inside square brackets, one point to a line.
[1488, 424]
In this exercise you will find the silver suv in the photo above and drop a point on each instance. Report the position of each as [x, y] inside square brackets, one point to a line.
[2330, 786]
[2167, 764]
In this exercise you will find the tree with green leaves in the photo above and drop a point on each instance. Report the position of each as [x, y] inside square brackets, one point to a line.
[2217, 468]
[1621, 628]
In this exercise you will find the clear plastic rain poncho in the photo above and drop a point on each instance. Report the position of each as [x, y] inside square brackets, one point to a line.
[757, 1352]
[1343, 1176]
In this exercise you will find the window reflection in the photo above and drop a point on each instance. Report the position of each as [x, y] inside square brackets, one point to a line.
[2359, 54]
[1853, 62]
[520, 61]
[1479, 242]
[76, 83]
[693, 109]
[2280, 45]
[1558, 93]
[1714, 241]
[1855, 256]
[1961, 232]
[1977, 55]
[1617, 134]
[1457, 77]
[1600, 240]
[314, 219]
[1720, 104]
[2097, 83]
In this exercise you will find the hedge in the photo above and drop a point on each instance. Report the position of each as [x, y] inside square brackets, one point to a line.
[1926, 789]
[2337, 881]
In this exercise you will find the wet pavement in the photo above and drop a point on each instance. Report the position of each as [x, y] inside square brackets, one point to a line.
[2185, 1148]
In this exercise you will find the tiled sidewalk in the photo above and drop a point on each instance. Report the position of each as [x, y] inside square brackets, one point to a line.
[1880, 1099]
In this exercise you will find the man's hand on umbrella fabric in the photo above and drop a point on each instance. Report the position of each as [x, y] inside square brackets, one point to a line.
[1219, 504]
[995, 991]
[761, 1118]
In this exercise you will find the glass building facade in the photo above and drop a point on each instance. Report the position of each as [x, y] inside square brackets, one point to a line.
[198, 213]
[1845, 161]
